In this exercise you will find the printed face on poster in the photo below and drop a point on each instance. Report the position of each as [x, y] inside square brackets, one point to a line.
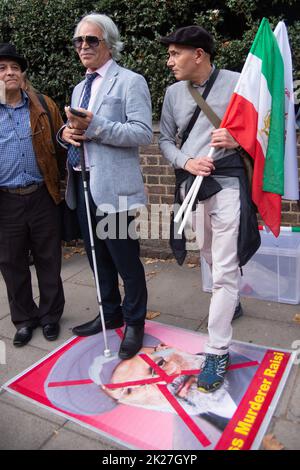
[151, 401]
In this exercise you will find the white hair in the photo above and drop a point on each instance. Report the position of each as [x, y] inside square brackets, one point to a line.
[110, 31]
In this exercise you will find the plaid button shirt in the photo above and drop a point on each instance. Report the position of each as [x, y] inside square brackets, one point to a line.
[18, 165]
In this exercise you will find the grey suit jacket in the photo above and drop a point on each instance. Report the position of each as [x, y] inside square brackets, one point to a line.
[122, 121]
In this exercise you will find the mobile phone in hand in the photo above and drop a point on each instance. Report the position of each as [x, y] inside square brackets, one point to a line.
[78, 113]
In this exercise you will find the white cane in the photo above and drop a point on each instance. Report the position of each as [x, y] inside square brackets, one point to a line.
[106, 352]
[186, 201]
[190, 198]
[198, 180]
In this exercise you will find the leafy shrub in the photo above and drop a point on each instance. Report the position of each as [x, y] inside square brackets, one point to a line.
[42, 30]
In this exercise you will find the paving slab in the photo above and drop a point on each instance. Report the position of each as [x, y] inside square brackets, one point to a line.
[21, 430]
[181, 322]
[270, 310]
[293, 411]
[81, 306]
[89, 434]
[288, 433]
[289, 389]
[84, 277]
[72, 264]
[18, 359]
[4, 307]
[177, 291]
[64, 439]
[31, 408]
[156, 264]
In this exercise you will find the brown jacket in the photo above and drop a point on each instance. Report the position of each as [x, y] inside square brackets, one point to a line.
[45, 152]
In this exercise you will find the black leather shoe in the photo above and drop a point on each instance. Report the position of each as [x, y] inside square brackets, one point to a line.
[238, 312]
[51, 331]
[132, 341]
[23, 336]
[95, 326]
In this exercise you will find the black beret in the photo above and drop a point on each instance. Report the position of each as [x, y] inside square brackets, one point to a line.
[194, 36]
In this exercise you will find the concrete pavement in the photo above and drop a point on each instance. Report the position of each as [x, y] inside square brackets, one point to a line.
[176, 293]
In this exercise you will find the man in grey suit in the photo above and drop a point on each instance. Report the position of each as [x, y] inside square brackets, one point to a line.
[117, 107]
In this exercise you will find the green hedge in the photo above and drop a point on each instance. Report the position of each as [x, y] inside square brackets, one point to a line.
[42, 30]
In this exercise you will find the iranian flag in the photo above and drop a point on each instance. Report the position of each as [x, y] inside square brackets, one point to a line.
[255, 118]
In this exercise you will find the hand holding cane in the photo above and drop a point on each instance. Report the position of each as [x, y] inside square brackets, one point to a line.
[190, 198]
[186, 201]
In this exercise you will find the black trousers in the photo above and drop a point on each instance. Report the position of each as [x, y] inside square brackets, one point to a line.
[115, 255]
[31, 222]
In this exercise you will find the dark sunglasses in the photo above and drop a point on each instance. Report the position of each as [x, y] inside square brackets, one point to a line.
[91, 41]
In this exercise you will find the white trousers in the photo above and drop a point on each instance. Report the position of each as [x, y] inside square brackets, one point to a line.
[221, 220]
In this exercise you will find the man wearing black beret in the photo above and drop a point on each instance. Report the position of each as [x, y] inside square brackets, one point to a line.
[220, 201]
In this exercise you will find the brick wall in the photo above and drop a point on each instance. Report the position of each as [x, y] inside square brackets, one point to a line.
[159, 180]
[158, 174]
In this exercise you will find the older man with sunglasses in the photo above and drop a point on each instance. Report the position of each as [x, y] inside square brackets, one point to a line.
[117, 119]
[29, 199]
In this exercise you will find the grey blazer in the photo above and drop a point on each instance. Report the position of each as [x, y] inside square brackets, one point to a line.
[122, 121]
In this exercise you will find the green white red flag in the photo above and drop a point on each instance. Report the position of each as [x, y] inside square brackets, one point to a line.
[255, 118]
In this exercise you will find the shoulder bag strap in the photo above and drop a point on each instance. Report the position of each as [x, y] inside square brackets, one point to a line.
[198, 109]
[200, 100]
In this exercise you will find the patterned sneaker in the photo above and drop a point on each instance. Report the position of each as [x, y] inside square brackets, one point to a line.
[212, 375]
[238, 312]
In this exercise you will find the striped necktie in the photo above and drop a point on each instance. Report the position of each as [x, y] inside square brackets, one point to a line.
[73, 152]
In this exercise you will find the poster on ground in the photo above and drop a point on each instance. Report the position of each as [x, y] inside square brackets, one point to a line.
[151, 401]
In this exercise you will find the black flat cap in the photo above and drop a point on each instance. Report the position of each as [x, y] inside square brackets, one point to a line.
[8, 51]
[194, 36]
